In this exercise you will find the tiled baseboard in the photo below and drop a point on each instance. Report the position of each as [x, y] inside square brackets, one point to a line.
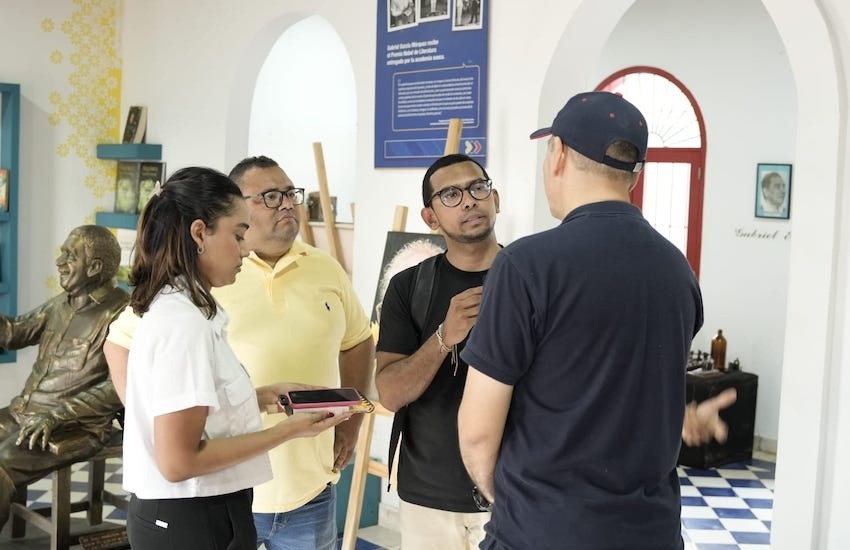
[764, 444]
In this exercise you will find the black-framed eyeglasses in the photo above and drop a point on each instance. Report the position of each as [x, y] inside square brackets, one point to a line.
[452, 196]
[273, 198]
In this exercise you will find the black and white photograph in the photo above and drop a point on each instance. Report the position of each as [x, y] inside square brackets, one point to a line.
[432, 10]
[403, 250]
[467, 15]
[773, 191]
[401, 14]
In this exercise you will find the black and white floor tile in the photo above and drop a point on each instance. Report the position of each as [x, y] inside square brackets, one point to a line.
[728, 508]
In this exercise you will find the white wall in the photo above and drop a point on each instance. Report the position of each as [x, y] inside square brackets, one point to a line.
[832, 525]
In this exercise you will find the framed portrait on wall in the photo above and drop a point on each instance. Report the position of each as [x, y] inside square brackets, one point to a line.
[773, 191]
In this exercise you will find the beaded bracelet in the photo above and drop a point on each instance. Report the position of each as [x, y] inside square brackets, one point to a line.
[446, 349]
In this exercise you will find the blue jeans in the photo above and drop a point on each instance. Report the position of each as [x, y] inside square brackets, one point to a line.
[310, 527]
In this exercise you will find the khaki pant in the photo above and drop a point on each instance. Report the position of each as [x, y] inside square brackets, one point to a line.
[427, 528]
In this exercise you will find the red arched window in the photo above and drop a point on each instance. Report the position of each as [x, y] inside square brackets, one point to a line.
[670, 189]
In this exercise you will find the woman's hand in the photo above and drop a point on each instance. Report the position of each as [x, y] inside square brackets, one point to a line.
[309, 424]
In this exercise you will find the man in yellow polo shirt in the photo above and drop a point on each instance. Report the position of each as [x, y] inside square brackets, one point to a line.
[293, 316]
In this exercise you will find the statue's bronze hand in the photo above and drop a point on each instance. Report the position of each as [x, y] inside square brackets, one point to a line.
[40, 427]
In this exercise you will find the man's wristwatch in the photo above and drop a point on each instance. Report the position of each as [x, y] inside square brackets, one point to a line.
[481, 502]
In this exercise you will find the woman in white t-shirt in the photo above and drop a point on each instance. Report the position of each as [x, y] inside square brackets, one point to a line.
[193, 440]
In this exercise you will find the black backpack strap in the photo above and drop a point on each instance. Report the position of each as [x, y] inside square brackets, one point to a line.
[420, 308]
[423, 288]
[395, 435]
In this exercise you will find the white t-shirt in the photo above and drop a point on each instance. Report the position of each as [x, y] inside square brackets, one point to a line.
[180, 359]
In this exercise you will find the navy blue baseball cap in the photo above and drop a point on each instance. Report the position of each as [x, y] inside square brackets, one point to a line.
[590, 122]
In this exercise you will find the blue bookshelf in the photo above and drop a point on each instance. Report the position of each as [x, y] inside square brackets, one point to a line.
[10, 123]
[125, 151]
[116, 219]
[129, 151]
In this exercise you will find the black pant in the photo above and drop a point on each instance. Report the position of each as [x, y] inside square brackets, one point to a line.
[222, 522]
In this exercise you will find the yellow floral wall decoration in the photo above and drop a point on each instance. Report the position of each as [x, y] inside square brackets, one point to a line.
[91, 108]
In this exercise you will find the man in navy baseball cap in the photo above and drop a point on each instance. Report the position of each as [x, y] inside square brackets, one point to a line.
[591, 122]
[597, 148]
[574, 403]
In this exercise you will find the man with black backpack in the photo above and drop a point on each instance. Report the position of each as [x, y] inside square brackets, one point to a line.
[426, 316]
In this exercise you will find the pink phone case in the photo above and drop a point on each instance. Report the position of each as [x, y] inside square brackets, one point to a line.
[358, 405]
[324, 406]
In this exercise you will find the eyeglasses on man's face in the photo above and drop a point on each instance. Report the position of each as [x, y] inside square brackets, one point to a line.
[452, 196]
[273, 198]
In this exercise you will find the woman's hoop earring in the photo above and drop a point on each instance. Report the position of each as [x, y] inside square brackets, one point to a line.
[200, 250]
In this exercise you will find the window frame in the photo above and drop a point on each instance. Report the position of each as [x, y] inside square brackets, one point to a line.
[695, 156]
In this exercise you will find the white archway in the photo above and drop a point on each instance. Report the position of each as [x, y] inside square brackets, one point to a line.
[304, 92]
[808, 428]
[244, 79]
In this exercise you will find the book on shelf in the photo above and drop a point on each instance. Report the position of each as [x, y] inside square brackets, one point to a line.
[4, 190]
[127, 187]
[136, 126]
[127, 241]
[150, 172]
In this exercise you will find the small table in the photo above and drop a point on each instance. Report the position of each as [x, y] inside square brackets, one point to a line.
[740, 417]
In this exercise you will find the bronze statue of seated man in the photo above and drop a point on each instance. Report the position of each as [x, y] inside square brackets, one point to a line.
[66, 410]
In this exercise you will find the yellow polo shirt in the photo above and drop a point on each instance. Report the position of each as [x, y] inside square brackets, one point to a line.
[288, 323]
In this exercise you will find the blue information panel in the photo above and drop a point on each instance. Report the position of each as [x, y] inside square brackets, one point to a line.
[431, 66]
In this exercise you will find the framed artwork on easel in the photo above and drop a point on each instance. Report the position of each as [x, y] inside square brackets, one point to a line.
[403, 250]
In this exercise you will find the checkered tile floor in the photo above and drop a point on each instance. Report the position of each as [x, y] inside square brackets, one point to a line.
[728, 508]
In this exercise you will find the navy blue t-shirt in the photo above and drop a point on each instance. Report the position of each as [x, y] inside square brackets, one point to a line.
[591, 323]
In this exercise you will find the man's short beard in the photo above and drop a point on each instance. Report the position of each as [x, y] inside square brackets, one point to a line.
[469, 239]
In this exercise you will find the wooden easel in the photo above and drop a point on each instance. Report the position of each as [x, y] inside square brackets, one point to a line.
[363, 463]
[334, 247]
